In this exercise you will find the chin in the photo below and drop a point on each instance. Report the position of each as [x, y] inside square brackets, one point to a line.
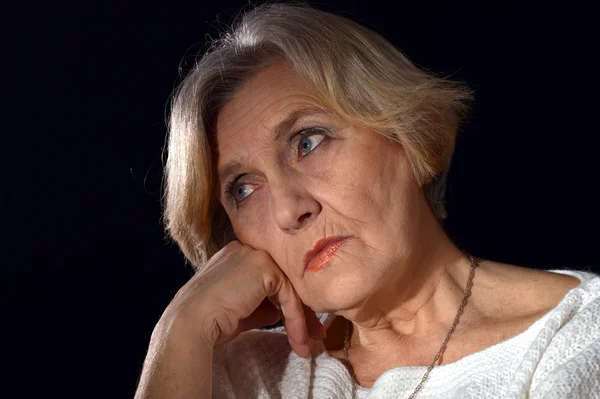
[347, 291]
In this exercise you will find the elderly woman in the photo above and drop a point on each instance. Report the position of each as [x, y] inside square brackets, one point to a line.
[305, 182]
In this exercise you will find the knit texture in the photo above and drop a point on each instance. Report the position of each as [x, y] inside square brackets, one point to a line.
[558, 356]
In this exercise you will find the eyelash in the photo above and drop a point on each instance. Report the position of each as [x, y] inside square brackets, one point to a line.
[230, 198]
[296, 140]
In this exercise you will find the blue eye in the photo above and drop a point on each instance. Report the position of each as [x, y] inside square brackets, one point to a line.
[309, 143]
[242, 192]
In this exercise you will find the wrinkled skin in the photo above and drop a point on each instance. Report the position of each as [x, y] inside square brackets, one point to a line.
[354, 182]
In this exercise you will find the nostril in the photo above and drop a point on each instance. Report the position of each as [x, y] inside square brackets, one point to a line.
[302, 218]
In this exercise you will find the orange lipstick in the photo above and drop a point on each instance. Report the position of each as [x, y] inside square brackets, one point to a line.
[323, 251]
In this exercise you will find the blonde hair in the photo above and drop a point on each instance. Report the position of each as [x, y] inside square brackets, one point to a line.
[355, 72]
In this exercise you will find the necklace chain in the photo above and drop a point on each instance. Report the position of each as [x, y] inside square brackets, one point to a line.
[461, 308]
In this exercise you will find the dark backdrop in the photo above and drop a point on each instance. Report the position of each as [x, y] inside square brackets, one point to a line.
[84, 294]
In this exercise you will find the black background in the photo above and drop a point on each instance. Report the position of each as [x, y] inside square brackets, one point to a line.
[87, 281]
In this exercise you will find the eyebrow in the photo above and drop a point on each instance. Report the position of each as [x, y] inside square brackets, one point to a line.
[280, 131]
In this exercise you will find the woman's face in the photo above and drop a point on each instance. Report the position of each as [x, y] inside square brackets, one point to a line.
[291, 174]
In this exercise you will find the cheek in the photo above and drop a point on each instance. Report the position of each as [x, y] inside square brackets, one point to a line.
[363, 178]
[251, 224]
[390, 184]
[257, 229]
[373, 186]
[398, 196]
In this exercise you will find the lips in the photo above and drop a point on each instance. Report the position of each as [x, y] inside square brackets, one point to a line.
[323, 251]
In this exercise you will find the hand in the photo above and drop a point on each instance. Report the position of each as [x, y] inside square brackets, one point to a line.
[239, 289]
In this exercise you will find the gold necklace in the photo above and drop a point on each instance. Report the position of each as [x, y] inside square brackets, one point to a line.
[461, 308]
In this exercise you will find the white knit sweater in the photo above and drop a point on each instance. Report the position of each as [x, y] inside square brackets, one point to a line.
[558, 356]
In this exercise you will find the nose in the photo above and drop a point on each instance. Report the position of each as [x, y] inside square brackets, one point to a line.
[293, 207]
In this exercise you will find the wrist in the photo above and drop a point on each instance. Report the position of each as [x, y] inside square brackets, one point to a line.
[202, 330]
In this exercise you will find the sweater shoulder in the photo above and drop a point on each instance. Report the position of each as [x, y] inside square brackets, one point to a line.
[577, 316]
[572, 354]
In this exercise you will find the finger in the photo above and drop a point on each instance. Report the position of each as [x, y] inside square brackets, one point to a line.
[293, 318]
[313, 324]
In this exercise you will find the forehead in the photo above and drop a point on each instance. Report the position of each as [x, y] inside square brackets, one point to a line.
[261, 104]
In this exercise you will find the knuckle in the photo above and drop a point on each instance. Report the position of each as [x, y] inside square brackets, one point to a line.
[270, 281]
[230, 247]
[234, 244]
